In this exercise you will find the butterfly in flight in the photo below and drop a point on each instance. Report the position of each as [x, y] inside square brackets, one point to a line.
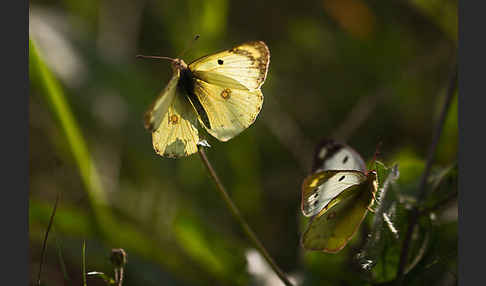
[337, 195]
[220, 91]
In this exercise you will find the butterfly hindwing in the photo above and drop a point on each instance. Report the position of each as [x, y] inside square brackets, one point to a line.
[242, 67]
[229, 110]
[159, 108]
[176, 135]
[321, 187]
[334, 227]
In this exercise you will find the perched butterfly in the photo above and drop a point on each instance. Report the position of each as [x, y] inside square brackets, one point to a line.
[220, 91]
[337, 195]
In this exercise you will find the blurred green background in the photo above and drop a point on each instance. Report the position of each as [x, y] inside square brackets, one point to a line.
[360, 71]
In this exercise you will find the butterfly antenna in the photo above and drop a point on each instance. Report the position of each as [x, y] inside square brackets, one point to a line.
[154, 58]
[189, 46]
[377, 152]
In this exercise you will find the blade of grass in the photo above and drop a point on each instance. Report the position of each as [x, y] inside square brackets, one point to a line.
[84, 263]
[108, 280]
[54, 95]
[61, 260]
[237, 215]
[44, 243]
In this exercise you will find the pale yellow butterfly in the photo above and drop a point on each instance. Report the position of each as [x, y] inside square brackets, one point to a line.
[220, 91]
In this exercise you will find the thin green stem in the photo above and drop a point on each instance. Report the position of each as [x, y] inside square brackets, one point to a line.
[44, 243]
[237, 215]
[84, 263]
[414, 216]
[61, 259]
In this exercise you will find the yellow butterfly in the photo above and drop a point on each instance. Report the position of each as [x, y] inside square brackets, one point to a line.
[220, 91]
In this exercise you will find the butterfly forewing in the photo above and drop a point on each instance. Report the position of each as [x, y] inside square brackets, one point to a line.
[321, 187]
[177, 134]
[332, 230]
[242, 67]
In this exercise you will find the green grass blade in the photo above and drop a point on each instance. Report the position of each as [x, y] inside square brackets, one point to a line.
[46, 236]
[54, 95]
[61, 260]
[84, 263]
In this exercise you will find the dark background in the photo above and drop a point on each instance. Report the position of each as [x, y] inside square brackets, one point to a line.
[361, 71]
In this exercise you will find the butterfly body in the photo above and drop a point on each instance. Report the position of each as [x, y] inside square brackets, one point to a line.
[187, 84]
[337, 195]
[219, 91]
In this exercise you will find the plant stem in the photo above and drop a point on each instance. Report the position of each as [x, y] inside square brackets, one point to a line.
[44, 243]
[61, 260]
[237, 215]
[84, 263]
[414, 216]
[120, 278]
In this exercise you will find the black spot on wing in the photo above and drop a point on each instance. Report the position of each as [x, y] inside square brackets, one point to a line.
[345, 159]
[332, 147]
[342, 178]
[220, 62]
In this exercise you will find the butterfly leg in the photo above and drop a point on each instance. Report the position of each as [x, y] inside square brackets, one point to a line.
[374, 199]
[371, 210]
